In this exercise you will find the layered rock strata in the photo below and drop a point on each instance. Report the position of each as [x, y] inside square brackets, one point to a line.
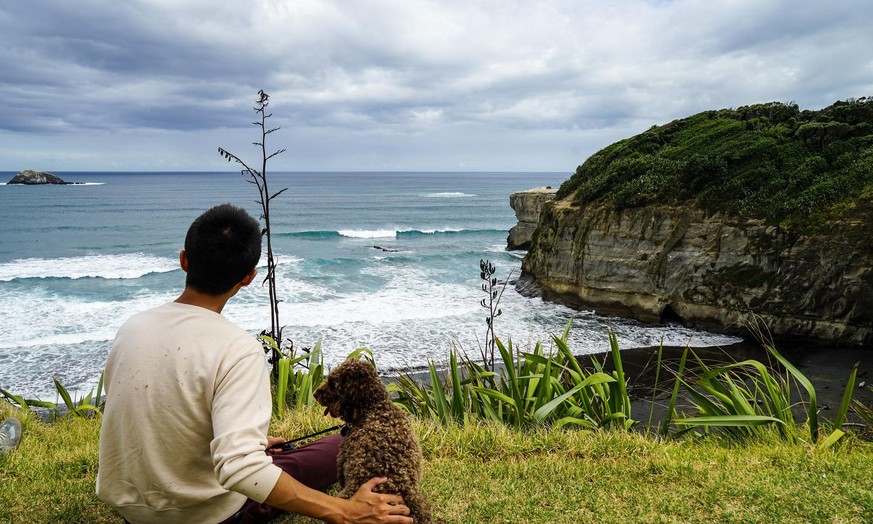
[527, 206]
[710, 271]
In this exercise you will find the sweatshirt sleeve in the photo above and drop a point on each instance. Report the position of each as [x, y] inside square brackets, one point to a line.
[241, 412]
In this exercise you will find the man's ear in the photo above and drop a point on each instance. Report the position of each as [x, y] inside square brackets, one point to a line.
[183, 260]
[248, 279]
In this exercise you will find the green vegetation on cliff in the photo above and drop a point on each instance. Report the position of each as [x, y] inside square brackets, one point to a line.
[771, 161]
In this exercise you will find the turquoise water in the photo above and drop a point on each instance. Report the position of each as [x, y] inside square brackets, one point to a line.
[388, 261]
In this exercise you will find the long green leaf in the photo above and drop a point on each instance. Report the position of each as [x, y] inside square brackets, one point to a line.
[488, 410]
[284, 367]
[564, 350]
[512, 380]
[620, 400]
[84, 409]
[62, 391]
[356, 354]
[736, 397]
[439, 395]
[546, 410]
[847, 397]
[706, 405]
[728, 421]
[457, 398]
[671, 408]
[807, 385]
[566, 333]
[14, 398]
[304, 390]
[620, 387]
[740, 398]
[863, 411]
[546, 387]
[100, 388]
[574, 421]
[506, 399]
[831, 439]
[24, 403]
[655, 386]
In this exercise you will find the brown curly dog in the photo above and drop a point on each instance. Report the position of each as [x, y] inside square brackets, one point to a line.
[379, 442]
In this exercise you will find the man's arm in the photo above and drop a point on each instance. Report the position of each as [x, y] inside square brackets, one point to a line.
[364, 507]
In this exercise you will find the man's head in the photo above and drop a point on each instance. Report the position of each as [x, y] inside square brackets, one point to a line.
[222, 247]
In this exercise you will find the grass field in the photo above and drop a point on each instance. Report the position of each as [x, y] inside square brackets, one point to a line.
[491, 473]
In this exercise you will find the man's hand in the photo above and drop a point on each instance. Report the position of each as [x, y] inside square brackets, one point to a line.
[365, 507]
[274, 441]
[369, 507]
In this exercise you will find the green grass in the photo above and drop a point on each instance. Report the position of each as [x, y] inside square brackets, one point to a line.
[487, 472]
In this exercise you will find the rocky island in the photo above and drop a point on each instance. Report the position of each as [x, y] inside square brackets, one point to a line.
[30, 177]
[759, 217]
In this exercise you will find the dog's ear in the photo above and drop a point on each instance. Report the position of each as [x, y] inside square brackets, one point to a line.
[321, 392]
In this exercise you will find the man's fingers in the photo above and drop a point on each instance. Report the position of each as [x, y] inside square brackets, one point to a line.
[394, 500]
[373, 482]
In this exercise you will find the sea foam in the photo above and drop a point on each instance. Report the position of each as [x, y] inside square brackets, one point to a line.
[378, 233]
[447, 194]
[388, 233]
[121, 266]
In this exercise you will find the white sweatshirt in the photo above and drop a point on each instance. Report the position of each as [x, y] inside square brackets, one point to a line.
[187, 409]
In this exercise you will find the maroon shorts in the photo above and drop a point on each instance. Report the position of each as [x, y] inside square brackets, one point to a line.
[313, 465]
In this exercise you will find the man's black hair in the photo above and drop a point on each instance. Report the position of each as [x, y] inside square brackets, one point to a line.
[223, 245]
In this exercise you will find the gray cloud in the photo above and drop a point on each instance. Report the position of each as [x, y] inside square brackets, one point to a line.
[410, 84]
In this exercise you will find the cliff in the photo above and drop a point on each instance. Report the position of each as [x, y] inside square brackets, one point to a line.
[527, 206]
[715, 251]
[709, 271]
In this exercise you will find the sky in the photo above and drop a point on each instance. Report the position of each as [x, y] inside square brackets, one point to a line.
[400, 85]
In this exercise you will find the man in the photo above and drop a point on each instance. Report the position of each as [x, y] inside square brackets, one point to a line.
[183, 438]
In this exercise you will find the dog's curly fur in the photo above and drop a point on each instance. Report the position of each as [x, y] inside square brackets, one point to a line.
[379, 442]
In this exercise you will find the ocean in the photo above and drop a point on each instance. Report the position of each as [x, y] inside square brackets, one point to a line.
[387, 261]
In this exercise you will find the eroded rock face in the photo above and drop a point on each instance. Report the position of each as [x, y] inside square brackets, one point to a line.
[35, 177]
[527, 205]
[709, 271]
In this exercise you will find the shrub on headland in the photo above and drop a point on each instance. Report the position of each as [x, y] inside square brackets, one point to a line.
[771, 161]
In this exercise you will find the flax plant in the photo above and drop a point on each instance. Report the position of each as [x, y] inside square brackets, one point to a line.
[446, 401]
[739, 403]
[258, 177]
[89, 405]
[526, 389]
[745, 399]
[297, 378]
[492, 303]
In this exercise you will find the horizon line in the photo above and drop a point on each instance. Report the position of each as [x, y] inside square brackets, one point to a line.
[292, 171]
